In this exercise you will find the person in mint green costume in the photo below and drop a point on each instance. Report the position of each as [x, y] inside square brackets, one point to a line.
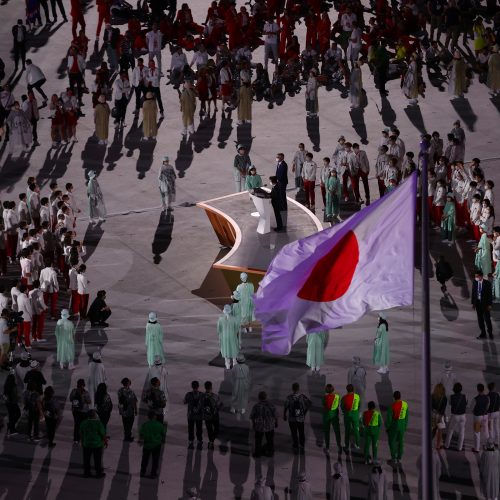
[246, 291]
[483, 252]
[228, 328]
[253, 180]
[316, 343]
[496, 258]
[381, 355]
[97, 208]
[396, 425]
[350, 409]
[65, 337]
[154, 340]
[333, 188]
[448, 220]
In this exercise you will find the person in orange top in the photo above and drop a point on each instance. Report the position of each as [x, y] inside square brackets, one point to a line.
[350, 410]
[397, 423]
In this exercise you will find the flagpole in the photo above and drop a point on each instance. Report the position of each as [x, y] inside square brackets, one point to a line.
[426, 440]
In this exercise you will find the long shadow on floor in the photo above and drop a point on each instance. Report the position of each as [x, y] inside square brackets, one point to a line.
[115, 149]
[93, 156]
[121, 480]
[312, 125]
[202, 138]
[465, 112]
[225, 129]
[91, 240]
[209, 483]
[387, 113]
[358, 123]
[415, 116]
[163, 235]
[244, 135]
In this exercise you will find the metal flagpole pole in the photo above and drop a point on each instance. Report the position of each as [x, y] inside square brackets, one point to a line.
[426, 471]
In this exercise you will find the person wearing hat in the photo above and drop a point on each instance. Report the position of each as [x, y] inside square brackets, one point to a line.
[341, 488]
[188, 107]
[122, 90]
[97, 374]
[457, 84]
[149, 117]
[241, 380]
[154, 339]
[482, 260]
[166, 183]
[253, 179]
[101, 120]
[97, 208]
[339, 149]
[65, 337]
[396, 425]
[241, 164]
[493, 79]
[377, 482]
[228, 327]
[489, 466]
[481, 300]
[448, 220]
[304, 490]
[35, 376]
[246, 291]
[381, 352]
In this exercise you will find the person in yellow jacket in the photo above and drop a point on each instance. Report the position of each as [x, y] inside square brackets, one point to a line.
[372, 422]
[397, 423]
[350, 410]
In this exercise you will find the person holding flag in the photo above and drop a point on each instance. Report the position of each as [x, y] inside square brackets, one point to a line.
[372, 422]
[350, 409]
[397, 423]
[331, 401]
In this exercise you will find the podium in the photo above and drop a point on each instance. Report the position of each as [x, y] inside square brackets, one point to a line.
[264, 209]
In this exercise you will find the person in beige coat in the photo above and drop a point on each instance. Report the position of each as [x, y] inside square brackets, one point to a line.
[149, 117]
[188, 107]
[101, 120]
[494, 71]
[245, 103]
[458, 80]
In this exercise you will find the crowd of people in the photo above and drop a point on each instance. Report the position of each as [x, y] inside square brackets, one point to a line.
[39, 241]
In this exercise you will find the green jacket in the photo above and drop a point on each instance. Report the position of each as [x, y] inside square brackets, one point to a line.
[152, 433]
[93, 433]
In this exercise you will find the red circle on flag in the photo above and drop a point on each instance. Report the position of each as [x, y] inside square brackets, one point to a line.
[332, 274]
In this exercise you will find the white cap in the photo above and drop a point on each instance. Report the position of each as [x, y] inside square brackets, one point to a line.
[91, 174]
[381, 315]
[166, 158]
[96, 356]
[34, 364]
[152, 317]
[64, 314]
[227, 309]
[243, 277]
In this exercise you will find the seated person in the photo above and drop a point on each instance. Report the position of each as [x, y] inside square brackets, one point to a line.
[98, 311]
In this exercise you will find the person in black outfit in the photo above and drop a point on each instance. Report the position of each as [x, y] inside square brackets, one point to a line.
[50, 413]
[194, 402]
[296, 407]
[12, 403]
[98, 311]
[19, 35]
[444, 272]
[282, 176]
[211, 406]
[35, 376]
[480, 413]
[481, 299]
[61, 8]
[275, 202]
[458, 406]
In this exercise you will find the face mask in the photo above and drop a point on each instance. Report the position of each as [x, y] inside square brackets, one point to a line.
[477, 279]
[277, 159]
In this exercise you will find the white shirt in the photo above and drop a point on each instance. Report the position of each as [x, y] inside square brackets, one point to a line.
[309, 170]
[225, 75]
[154, 41]
[33, 74]
[26, 269]
[273, 29]
[73, 281]
[37, 301]
[178, 61]
[200, 59]
[346, 21]
[139, 76]
[4, 336]
[121, 88]
[153, 77]
[48, 280]
[14, 293]
[82, 284]
[24, 306]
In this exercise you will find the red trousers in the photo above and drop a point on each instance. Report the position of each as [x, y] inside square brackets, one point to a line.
[323, 193]
[38, 325]
[24, 281]
[83, 303]
[475, 232]
[11, 245]
[103, 17]
[438, 214]
[53, 302]
[77, 19]
[24, 329]
[309, 187]
[354, 185]
[3, 260]
[75, 302]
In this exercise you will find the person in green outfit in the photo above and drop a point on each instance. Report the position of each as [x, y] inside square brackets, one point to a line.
[152, 436]
[396, 425]
[331, 402]
[154, 340]
[350, 409]
[496, 260]
[92, 435]
[381, 354]
[316, 343]
[65, 337]
[483, 252]
[372, 422]
[246, 291]
[228, 328]
[333, 194]
[253, 180]
[448, 220]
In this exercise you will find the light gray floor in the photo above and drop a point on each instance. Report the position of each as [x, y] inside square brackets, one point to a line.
[148, 262]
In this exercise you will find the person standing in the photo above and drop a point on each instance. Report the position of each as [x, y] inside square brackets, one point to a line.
[61, 8]
[481, 299]
[24, 306]
[298, 161]
[97, 374]
[139, 78]
[396, 425]
[20, 130]
[457, 80]
[228, 328]
[493, 80]
[350, 410]
[458, 405]
[246, 291]
[49, 285]
[80, 405]
[93, 437]
[152, 436]
[241, 165]
[271, 31]
[65, 337]
[282, 177]
[194, 401]
[188, 108]
[19, 35]
[311, 94]
[154, 41]
[154, 339]
[488, 471]
[83, 291]
[97, 208]
[211, 406]
[341, 488]
[33, 406]
[309, 179]
[316, 344]
[35, 79]
[77, 17]
[39, 311]
[333, 189]
[101, 120]
[30, 109]
[149, 117]
[240, 375]
[50, 414]
[153, 77]
[11, 399]
[357, 377]
[372, 423]
[245, 98]
[122, 90]
[494, 414]
[381, 351]
[264, 421]
[166, 183]
[482, 260]
[296, 407]
[480, 412]
[104, 15]
[156, 399]
[127, 406]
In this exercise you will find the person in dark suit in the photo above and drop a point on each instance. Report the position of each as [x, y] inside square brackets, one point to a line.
[282, 177]
[19, 35]
[481, 299]
[276, 202]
